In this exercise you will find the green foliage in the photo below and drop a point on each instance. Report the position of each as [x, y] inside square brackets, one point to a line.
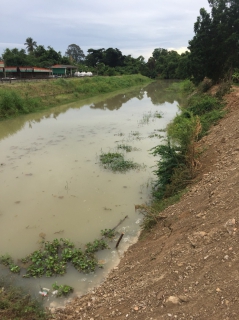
[108, 233]
[166, 64]
[209, 119]
[208, 108]
[92, 247]
[178, 160]
[200, 105]
[184, 130]
[125, 147]
[62, 290]
[6, 260]
[170, 159]
[52, 259]
[11, 103]
[116, 162]
[16, 304]
[235, 76]
[30, 97]
[214, 48]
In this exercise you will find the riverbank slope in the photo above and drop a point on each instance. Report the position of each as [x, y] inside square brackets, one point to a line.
[187, 267]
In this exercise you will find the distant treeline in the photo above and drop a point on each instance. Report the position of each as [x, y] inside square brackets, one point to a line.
[213, 52]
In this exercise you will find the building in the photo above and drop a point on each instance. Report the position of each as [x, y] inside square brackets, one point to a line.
[1, 69]
[63, 70]
[23, 72]
[35, 72]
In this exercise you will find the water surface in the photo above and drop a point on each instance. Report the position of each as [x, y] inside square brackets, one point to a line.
[52, 182]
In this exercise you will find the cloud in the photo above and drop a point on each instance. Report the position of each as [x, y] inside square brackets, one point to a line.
[135, 27]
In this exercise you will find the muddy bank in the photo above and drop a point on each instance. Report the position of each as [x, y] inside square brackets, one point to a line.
[187, 267]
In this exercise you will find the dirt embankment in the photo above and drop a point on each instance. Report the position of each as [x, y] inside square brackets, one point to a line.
[188, 266]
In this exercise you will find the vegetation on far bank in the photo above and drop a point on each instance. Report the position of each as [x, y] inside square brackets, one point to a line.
[30, 96]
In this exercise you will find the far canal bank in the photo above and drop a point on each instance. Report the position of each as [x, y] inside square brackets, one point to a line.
[30, 96]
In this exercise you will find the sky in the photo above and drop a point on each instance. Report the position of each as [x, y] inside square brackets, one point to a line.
[135, 27]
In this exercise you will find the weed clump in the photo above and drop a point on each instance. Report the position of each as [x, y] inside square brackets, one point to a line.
[116, 162]
[62, 290]
[16, 304]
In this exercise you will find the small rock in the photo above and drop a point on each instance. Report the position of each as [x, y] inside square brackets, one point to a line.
[160, 295]
[172, 301]
[230, 225]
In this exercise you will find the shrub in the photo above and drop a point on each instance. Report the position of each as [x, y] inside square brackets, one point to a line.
[205, 85]
[201, 105]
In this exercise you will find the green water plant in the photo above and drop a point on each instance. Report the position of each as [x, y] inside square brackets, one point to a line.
[108, 233]
[53, 257]
[62, 290]
[116, 162]
[125, 147]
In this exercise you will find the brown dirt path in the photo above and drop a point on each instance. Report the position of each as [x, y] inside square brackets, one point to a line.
[188, 266]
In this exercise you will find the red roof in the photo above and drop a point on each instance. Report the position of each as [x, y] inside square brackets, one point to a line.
[64, 66]
[42, 69]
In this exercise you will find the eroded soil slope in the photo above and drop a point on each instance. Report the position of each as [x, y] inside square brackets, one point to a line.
[188, 266]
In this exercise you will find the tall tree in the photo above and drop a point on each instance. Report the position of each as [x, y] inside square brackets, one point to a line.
[113, 57]
[30, 44]
[15, 57]
[215, 46]
[94, 56]
[75, 52]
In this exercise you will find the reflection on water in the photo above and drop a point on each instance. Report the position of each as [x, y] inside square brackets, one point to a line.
[52, 182]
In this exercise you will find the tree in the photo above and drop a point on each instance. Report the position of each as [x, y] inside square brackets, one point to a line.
[74, 52]
[15, 57]
[113, 57]
[31, 45]
[94, 57]
[215, 46]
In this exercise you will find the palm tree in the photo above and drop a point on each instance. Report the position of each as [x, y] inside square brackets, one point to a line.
[31, 45]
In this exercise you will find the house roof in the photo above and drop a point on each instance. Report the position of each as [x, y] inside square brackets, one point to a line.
[10, 69]
[26, 69]
[63, 66]
[37, 69]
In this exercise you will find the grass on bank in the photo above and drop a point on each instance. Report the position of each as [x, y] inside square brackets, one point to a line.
[16, 304]
[179, 159]
[30, 96]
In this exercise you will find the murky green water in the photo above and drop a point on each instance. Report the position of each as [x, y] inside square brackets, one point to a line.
[52, 182]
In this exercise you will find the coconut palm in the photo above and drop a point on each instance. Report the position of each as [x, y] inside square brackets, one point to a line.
[31, 45]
